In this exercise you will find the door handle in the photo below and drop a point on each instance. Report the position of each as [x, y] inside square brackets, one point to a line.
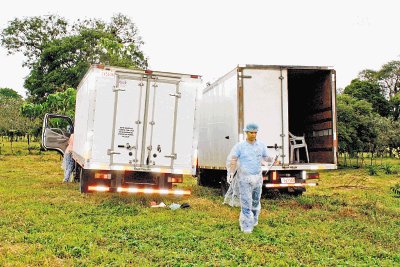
[177, 95]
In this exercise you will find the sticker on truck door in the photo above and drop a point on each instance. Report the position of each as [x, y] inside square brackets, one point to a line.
[125, 131]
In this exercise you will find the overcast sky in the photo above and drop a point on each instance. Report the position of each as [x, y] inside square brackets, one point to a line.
[211, 37]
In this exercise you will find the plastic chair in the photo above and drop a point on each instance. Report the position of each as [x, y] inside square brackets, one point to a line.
[297, 142]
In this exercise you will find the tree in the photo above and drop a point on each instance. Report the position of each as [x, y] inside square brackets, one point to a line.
[389, 78]
[11, 121]
[355, 124]
[368, 75]
[7, 92]
[388, 133]
[34, 114]
[395, 102]
[30, 35]
[59, 54]
[59, 103]
[369, 91]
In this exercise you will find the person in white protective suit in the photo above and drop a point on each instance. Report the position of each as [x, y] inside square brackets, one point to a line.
[248, 179]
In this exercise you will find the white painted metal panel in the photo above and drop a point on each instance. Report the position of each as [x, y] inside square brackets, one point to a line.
[160, 125]
[187, 135]
[218, 121]
[262, 103]
[100, 133]
[84, 98]
[130, 94]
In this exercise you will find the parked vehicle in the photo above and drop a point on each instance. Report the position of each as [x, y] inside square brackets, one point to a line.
[134, 130]
[295, 109]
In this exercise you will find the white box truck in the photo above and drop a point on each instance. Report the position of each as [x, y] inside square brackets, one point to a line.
[294, 107]
[134, 130]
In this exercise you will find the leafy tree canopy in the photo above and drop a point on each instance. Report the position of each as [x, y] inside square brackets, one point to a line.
[10, 119]
[7, 92]
[369, 91]
[355, 124]
[59, 54]
[388, 78]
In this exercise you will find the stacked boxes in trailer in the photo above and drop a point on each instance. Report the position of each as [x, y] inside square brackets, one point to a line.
[295, 109]
[134, 130]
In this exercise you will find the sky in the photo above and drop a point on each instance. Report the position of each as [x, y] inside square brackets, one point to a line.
[211, 37]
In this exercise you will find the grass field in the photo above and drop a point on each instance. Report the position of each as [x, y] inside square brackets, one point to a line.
[350, 219]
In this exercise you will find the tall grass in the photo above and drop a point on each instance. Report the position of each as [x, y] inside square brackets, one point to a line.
[351, 218]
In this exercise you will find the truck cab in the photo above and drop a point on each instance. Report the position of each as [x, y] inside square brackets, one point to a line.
[56, 131]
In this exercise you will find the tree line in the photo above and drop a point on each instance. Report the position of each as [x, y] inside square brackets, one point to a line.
[368, 112]
[59, 53]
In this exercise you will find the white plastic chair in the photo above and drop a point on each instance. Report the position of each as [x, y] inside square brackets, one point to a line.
[297, 142]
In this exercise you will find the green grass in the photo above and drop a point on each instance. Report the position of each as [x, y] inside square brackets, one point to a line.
[351, 218]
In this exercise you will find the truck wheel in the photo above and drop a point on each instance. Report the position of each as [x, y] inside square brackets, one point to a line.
[84, 181]
[77, 172]
[199, 181]
[224, 185]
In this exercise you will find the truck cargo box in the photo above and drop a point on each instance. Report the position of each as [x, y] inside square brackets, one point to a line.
[287, 102]
[134, 129]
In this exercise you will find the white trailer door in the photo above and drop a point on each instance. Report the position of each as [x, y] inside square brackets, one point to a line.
[265, 103]
[129, 106]
[144, 121]
[163, 99]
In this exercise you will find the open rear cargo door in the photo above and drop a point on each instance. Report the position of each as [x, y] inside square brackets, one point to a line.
[265, 103]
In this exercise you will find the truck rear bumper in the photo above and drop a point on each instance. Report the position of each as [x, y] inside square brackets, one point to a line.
[137, 190]
[294, 185]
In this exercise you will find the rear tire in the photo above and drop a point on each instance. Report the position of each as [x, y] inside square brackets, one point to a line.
[224, 186]
[210, 178]
[83, 176]
[77, 172]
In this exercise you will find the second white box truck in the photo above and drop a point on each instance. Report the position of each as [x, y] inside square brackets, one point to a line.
[133, 132]
[295, 109]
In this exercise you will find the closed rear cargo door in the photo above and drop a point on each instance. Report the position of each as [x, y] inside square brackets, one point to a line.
[163, 99]
[144, 121]
[265, 103]
[129, 107]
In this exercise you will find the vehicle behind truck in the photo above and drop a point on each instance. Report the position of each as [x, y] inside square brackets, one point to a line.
[134, 130]
[295, 109]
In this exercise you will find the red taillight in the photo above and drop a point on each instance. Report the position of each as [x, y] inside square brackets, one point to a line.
[148, 71]
[313, 175]
[195, 76]
[102, 175]
[175, 180]
[274, 176]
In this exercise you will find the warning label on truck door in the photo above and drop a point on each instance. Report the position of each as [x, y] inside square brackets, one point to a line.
[125, 131]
